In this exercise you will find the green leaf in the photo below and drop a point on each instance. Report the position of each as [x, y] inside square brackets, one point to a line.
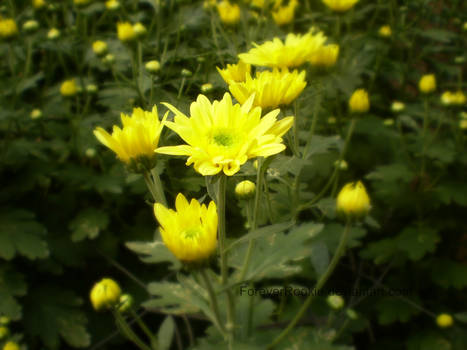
[320, 257]
[440, 35]
[461, 316]
[154, 252]
[53, 313]
[418, 241]
[393, 310]
[166, 333]
[428, 340]
[380, 251]
[21, 234]
[88, 223]
[12, 285]
[452, 192]
[448, 273]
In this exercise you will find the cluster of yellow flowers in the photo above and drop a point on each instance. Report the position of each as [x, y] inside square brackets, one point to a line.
[450, 98]
[127, 32]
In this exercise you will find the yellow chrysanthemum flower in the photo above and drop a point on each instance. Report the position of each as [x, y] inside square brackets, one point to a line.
[11, 345]
[222, 136]
[283, 15]
[295, 51]
[353, 201]
[37, 4]
[125, 31]
[326, 56]
[137, 139]
[8, 28]
[105, 294]
[99, 47]
[235, 72]
[359, 101]
[69, 88]
[190, 231]
[450, 98]
[427, 83]
[340, 5]
[271, 89]
[229, 13]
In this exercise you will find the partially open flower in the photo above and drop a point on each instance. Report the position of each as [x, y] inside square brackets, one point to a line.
[353, 201]
[427, 83]
[245, 189]
[359, 102]
[444, 320]
[105, 294]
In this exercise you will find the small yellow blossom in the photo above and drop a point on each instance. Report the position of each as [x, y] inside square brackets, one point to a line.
[99, 47]
[8, 28]
[326, 56]
[335, 301]
[69, 88]
[359, 101]
[427, 83]
[139, 29]
[138, 138]
[190, 231]
[385, 31]
[205, 88]
[53, 34]
[30, 25]
[450, 98]
[221, 136]
[341, 165]
[283, 15]
[125, 302]
[36, 113]
[235, 72]
[112, 5]
[153, 66]
[444, 320]
[105, 294]
[295, 51]
[340, 5]
[271, 89]
[228, 12]
[353, 201]
[397, 106]
[125, 31]
[108, 59]
[245, 189]
[38, 4]
[388, 122]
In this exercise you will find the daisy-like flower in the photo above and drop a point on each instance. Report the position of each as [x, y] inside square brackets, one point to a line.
[228, 13]
[221, 136]
[340, 5]
[235, 72]
[190, 232]
[138, 138]
[271, 89]
[326, 56]
[295, 51]
[283, 15]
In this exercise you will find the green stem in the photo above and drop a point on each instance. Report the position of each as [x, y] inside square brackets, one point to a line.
[27, 65]
[145, 329]
[322, 280]
[153, 182]
[128, 332]
[213, 299]
[425, 128]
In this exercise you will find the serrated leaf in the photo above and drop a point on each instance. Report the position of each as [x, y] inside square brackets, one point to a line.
[64, 319]
[416, 242]
[452, 192]
[154, 252]
[447, 273]
[394, 310]
[319, 257]
[12, 285]
[380, 251]
[88, 223]
[166, 333]
[21, 234]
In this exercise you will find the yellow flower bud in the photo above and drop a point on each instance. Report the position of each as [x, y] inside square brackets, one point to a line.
[108, 59]
[90, 152]
[11, 345]
[444, 320]
[153, 66]
[53, 34]
[335, 301]
[99, 47]
[205, 88]
[36, 113]
[397, 106]
[91, 88]
[229, 13]
[4, 320]
[125, 31]
[283, 15]
[31, 25]
[340, 5]
[353, 201]
[388, 122]
[112, 5]
[245, 189]
[4, 331]
[38, 4]
[68, 88]
[105, 294]
[341, 165]
[427, 83]
[186, 73]
[8, 28]
[359, 102]
[125, 302]
[139, 29]
[463, 124]
[351, 314]
[385, 31]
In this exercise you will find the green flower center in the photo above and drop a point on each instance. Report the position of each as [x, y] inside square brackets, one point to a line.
[224, 139]
[193, 232]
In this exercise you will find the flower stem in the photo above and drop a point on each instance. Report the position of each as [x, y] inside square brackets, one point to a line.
[128, 332]
[322, 280]
[153, 182]
[145, 329]
[214, 304]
